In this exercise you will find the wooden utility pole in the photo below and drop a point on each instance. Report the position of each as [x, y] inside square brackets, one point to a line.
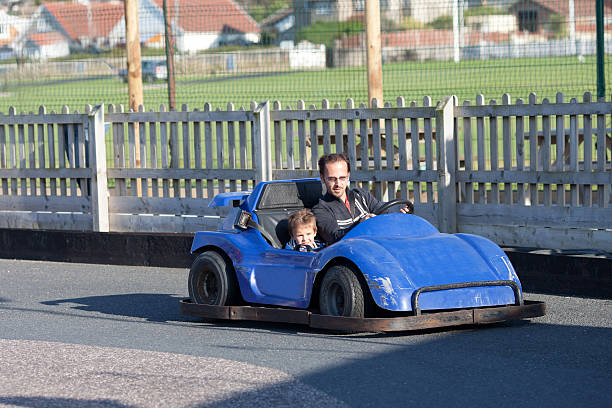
[134, 72]
[373, 52]
[599, 25]
[169, 56]
[456, 22]
[132, 45]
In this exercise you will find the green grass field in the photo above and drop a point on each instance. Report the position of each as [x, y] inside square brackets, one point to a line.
[412, 80]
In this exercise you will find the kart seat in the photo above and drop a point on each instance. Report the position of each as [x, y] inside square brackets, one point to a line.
[279, 200]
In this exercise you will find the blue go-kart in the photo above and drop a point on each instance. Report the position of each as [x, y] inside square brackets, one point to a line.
[392, 272]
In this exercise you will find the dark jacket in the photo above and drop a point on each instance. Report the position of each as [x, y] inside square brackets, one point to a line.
[333, 218]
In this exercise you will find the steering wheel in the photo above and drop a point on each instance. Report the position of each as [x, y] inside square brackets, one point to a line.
[391, 203]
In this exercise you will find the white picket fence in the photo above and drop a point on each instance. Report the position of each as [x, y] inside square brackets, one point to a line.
[521, 173]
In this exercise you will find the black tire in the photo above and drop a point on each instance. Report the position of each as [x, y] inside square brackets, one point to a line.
[212, 281]
[341, 293]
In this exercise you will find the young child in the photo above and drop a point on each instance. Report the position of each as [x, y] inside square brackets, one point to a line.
[303, 228]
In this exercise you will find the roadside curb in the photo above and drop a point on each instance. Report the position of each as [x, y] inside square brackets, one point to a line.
[547, 271]
[563, 272]
[139, 249]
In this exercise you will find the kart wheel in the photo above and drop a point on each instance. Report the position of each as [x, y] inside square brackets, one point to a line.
[341, 293]
[212, 281]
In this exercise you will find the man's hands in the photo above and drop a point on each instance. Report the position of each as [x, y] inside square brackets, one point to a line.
[405, 210]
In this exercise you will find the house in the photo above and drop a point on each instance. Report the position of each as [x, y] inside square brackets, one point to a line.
[20, 7]
[308, 12]
[150, 25]
[198, 24]
[491, 23]
[537, 16]
[280, 25]
[204, 24]
[51, 44]
[418, 45]
[82, 25]
[10, 28]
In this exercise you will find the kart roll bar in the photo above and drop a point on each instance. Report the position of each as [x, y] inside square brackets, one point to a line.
[518, 298]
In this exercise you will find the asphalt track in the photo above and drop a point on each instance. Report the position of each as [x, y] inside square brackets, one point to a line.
[82, 335]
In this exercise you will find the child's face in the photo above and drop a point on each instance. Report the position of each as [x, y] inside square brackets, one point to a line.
[305, 234]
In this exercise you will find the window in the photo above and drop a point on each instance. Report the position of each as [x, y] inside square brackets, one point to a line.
[323, 8]
[528, 20]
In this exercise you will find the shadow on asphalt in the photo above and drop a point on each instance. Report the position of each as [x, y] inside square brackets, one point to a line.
[48, 402]
[161, 308]
[153, 307]
[532, 365]
[506, 365]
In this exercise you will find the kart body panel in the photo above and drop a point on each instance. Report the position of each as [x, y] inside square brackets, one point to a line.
[396, 254]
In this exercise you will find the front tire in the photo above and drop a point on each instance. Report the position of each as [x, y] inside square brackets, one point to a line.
[212, 281]
[341, 293]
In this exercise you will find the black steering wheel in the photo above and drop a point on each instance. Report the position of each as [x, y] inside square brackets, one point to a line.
[391, 203]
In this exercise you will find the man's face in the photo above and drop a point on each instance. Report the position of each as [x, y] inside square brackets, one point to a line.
[305, 235]
[336, 177]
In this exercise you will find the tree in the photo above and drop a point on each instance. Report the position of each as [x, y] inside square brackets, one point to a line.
[326, 32]
[558, 26]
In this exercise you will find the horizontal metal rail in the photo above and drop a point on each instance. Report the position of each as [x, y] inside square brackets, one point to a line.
[518, 298]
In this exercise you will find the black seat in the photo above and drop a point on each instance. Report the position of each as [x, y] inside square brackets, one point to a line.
[279, 200]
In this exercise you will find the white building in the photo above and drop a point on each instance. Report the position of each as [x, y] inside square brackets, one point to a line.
[45, 45]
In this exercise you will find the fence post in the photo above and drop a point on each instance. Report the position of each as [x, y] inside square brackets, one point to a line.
[446, 151]
[97, 152]
[262, 145]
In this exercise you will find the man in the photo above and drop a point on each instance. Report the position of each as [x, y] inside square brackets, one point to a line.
[341, 207]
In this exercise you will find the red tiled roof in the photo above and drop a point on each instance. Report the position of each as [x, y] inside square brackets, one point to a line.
[425, 38]
[408, 38]
[582, 8]
[416, 37]
[73, 18]
[277, 16]
[105, 17]
[51, 37]
[211, 16]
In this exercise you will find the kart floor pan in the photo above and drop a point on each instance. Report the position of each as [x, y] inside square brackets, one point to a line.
[427, 320]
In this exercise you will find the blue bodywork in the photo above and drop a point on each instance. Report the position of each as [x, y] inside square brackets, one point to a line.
[396, 253]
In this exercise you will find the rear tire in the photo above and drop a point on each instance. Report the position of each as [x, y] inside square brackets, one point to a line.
[212, 281]
[341, 293]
